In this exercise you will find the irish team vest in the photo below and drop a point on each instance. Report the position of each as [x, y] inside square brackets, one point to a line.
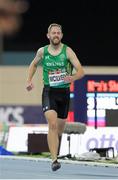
[55, 68]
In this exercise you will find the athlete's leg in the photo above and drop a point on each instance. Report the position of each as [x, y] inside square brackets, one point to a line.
[53, 139]
[54, 108]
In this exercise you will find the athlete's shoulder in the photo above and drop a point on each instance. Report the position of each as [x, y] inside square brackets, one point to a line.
[40, 50]
[69, 51]
[67, 47]
[39, 54]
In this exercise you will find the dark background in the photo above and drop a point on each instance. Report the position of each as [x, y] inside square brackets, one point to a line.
[90, 28]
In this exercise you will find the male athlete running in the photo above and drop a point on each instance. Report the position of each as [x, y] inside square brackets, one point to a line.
[57, 60]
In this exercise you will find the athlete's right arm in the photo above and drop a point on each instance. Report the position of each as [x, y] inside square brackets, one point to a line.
[33, 67]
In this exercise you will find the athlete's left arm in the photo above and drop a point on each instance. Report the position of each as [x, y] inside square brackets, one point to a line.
[76, 64]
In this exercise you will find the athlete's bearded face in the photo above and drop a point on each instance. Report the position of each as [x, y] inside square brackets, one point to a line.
[55, 35]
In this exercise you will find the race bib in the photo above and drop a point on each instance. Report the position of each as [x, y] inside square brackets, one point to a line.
[57, 79]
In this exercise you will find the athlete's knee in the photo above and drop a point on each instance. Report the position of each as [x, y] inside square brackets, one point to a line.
[53, 126]
[51, 117]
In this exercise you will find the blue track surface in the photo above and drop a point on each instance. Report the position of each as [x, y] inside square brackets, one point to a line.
[16, 168]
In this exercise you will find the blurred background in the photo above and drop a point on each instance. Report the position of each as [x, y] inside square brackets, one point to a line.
[90, 28]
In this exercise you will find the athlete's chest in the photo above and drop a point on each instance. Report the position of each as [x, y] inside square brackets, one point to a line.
[55, 61]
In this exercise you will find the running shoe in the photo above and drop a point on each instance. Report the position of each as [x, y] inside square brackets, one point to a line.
[55, 165]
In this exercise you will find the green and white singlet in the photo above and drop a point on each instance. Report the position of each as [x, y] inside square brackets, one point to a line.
[55, 68]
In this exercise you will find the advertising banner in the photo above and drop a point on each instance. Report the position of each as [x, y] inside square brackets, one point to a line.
[18, 115]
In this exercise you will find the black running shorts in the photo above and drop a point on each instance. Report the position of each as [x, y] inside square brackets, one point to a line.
[56, 99]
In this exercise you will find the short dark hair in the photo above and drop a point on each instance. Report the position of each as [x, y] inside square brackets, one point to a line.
[54, 24]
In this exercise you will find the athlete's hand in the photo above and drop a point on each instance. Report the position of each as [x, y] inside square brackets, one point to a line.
[29, 86]
[68, 79]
